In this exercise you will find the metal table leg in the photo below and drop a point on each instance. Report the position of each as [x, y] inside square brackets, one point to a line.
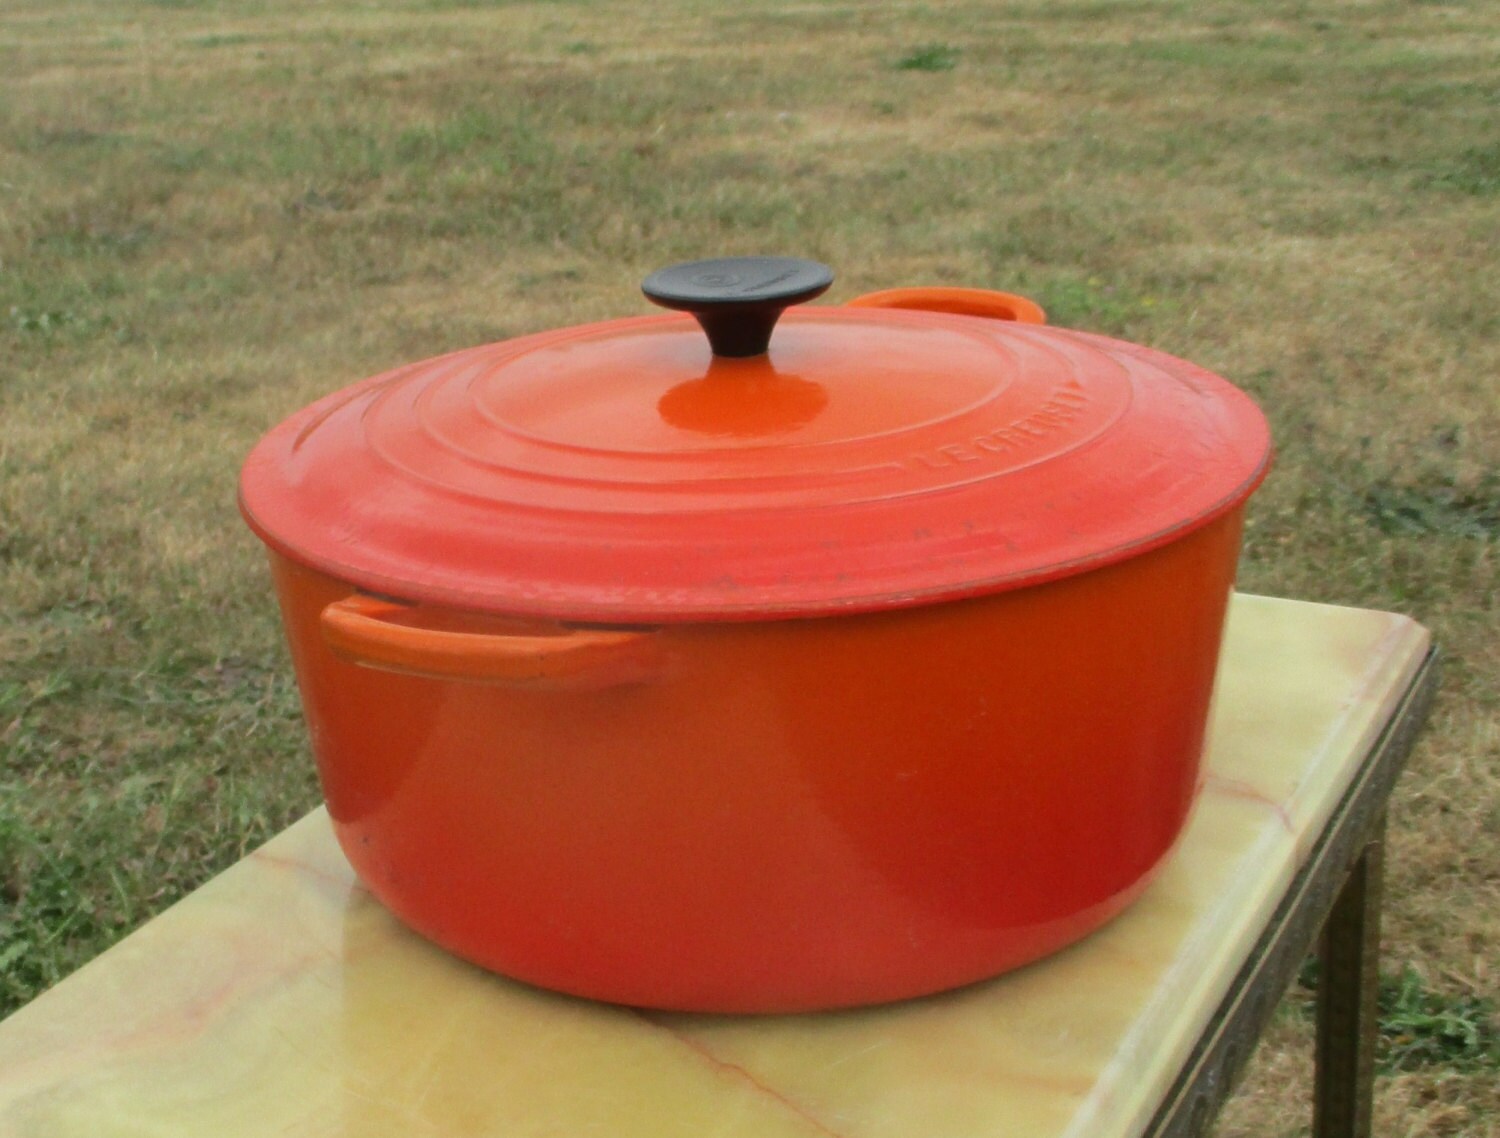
[1338, 888]
[1348, 990]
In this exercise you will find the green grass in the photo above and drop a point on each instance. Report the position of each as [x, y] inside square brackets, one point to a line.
[1423, 1028]
[1441, 506]
[1474, 170]
[168, 768]
[930, 57]
[213, 212]
[1420, 1027]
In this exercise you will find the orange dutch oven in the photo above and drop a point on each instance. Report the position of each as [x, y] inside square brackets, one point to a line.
[761, 672]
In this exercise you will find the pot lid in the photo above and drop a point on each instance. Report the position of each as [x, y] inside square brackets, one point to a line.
[869, 458]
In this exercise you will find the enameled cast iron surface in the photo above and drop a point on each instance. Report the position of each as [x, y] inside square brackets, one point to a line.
[788, 815]
[745, 680]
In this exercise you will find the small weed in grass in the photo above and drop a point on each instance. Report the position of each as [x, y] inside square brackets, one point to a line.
[1423, 1028]
[1476, 171]
[1439, 507]
[50, 324]
[929, 57]
[1420, 1027]
[42, 322]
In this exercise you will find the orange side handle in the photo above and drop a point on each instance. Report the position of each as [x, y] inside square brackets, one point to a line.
[959, 301]
[440, 645]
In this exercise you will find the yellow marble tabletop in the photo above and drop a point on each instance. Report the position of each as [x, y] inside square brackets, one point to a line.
[279, 999]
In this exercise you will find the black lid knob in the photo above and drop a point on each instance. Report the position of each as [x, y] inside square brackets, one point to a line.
[738, 300]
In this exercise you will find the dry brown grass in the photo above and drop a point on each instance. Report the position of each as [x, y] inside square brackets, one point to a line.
[213, 210]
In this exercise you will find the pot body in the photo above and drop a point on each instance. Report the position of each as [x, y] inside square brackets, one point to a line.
[785, 815]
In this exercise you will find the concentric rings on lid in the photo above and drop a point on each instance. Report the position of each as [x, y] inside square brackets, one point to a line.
[871, 459]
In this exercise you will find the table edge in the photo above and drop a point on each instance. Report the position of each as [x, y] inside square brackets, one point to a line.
[1225, 1046]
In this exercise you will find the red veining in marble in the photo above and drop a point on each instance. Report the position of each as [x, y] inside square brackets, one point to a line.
[1239, 788]
[737, 1071]
[263, 856]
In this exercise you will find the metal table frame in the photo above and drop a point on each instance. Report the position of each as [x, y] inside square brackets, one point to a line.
[1338, 889]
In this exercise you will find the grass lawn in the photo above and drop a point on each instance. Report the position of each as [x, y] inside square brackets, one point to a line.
[213, 211]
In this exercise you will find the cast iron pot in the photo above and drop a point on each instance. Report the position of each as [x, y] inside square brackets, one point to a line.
[856, 667]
